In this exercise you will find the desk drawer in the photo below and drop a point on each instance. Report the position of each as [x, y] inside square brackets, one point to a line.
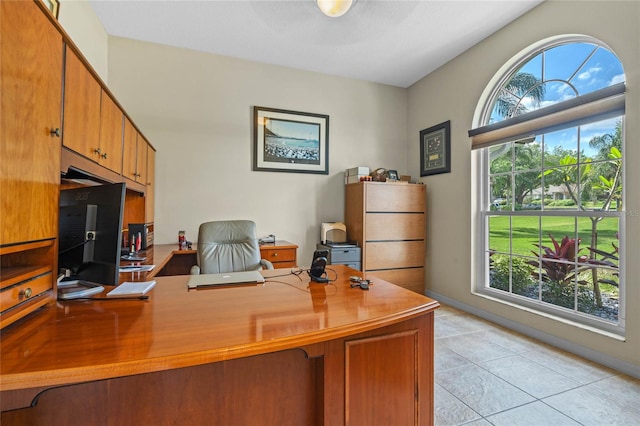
[13, 296]
[274, 255]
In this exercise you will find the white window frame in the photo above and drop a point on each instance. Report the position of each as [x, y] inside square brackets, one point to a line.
[482, 210]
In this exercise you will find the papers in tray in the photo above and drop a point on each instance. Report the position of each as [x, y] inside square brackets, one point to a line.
[136, 268]
[128, 289]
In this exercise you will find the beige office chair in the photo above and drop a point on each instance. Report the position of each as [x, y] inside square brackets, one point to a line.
[228, 246]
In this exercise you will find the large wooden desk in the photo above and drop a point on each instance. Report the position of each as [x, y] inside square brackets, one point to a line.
[284, 352]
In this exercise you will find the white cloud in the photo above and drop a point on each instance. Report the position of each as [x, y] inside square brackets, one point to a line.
[617, 79]
[587, 74]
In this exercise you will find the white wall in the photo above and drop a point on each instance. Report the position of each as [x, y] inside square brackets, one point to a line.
[452, 93]
[196, 110]
[83, 26]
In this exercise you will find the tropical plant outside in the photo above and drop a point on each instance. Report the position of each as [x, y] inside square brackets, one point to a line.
[567, 254]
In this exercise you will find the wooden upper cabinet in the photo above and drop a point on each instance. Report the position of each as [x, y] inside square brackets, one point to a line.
[92, 120]
[111, 117]
[135, 154]
[82, 99]
[130, 151]
[31, 51]
[141, 160]
[151, 177]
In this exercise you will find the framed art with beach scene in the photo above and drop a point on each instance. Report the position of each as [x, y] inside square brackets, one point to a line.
[290, 141]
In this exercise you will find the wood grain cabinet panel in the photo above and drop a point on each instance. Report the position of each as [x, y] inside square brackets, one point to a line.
[30, 128]
[135, 154]
[395, 226]
[394, 254]
[111, 117]
[368, 378]
[31, 100]
[149, 195]
[141, 159]
[92, 119]
[388, 220]
[82, 98]
[395, 197]
[130, 146]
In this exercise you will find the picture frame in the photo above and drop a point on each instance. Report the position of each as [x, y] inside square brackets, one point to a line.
[435, 149]
[392, 175]
[53, 6]
[290, 141]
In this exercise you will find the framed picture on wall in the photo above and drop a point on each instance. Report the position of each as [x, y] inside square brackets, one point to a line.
[290, 141]
[53, 6]
[435, 149]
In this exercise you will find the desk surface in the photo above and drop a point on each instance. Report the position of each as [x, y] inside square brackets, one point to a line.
[77, 341]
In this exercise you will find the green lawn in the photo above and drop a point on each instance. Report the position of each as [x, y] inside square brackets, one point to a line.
[526, 229]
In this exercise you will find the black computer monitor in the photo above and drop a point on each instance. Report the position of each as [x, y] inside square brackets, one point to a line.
[90, 232]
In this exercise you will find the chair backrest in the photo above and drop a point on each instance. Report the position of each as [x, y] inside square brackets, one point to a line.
[228, 246]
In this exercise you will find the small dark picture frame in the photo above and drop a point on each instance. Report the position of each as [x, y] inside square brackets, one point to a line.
[392, 174]
[435, 149]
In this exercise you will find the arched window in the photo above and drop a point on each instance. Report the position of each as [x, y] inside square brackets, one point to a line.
[550, 142]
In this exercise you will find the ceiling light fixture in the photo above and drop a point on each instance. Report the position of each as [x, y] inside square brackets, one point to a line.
[335, 8]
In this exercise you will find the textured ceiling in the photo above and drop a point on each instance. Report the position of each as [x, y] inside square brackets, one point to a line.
[392, 42]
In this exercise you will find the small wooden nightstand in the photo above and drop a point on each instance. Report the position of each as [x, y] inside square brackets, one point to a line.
[282, 254]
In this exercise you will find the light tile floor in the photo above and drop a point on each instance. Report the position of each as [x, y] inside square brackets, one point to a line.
[488, 375]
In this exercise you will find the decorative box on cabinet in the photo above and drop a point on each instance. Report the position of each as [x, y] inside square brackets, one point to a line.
[282, 254]
[388, 221]
[30, 113]
[349, 256]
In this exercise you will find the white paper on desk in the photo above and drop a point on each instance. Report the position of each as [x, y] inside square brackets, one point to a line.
[136, 268]
[129, 288]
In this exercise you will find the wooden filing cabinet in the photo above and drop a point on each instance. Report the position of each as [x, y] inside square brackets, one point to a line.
[282, 254]
[388, 221]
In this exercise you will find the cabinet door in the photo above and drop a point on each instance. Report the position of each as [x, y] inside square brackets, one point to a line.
[141, 160]
[149, 198]
[82, 94]
[129, 150]
[31, 86]
[110, 134]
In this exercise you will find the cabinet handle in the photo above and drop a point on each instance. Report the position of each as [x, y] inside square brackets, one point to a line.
[96, 151]
[275, 254]
[104, 156]
[26, 292]
[55, 132]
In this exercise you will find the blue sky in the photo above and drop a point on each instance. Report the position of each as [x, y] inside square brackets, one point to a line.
[567, 69]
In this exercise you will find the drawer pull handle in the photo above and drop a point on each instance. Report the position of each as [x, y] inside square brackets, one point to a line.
[26, 292]
[55, 132]
[275, 254]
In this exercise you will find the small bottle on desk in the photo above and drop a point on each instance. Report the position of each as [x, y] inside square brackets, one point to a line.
[181, 240]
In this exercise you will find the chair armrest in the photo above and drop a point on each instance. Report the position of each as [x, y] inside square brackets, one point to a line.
[195, 270]
[266, 264]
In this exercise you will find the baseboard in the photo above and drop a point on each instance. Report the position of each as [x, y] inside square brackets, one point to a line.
[590, 354]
